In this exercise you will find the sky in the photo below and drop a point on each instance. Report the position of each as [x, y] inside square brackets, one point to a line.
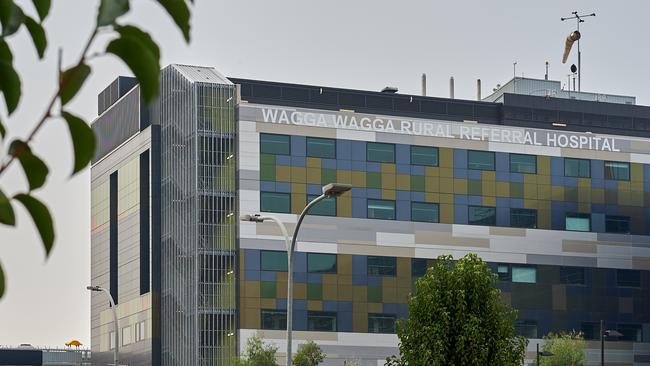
[361, 44]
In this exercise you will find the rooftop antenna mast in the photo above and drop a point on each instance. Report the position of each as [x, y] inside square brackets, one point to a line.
[579, 20]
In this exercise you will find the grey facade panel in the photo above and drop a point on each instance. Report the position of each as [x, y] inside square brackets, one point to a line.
[117, 124]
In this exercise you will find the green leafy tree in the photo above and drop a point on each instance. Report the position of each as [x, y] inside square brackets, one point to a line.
[257, 354]
[135, 47]
[456, 317]
[568, 349]
[309, 354]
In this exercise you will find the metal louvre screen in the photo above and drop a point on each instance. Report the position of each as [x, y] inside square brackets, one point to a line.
[117, 124]
[198, 221]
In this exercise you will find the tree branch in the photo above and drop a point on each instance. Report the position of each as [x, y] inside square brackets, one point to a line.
[48, 112]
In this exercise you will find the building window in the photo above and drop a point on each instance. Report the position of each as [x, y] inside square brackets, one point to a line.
[617, 224]
[380, 152]
[520, 163]
[481, 215]
[418, 267]
[381, 209]
[275, 144]
[590, 330]
[572, 275]
[424, 155]
[381, 323]
[524, 274]
[628, 278]
[580, 168]
[272, 260]
[631, 332]
[616, 170]
[126, 335]
[577, 222]
[139, 331]
[480, 160]
[424, 212]
[503, 271]
[526, 328]
[523, 217]
[321, 263]
[382, 266]
[321, 321]
[275, 202]
[326, 206]
[321, 148]
[111, 340]
[274, 319]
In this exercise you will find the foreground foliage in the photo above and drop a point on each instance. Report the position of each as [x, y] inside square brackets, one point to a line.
[257, 354]
[135, 47]
[456, 317]
[310, 354]
[568, 349]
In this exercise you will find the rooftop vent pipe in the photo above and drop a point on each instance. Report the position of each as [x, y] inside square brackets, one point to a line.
[424, 85]
[478, 89]
[451, 87]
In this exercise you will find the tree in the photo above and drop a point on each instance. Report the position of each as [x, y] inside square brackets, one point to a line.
[568, 349]
[135, 47]
[258, 354]
[309, 354]
[456, 317]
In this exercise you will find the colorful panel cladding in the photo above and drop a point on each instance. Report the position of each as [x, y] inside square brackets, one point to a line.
[354, 289]
[553, 187]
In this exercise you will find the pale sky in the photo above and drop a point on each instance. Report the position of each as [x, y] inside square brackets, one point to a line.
[361, 44]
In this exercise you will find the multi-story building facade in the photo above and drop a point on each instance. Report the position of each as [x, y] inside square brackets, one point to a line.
[553, 193]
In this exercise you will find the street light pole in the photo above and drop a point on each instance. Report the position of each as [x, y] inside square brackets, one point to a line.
[110, 299]
[605, 333]
[329, 190]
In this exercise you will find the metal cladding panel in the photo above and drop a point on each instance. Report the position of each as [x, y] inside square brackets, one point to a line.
[116, 90]
[117, 124]
[198, 227]
[21, 357]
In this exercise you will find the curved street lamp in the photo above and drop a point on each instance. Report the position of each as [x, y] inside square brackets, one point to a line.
[110, 298]
[606, 333]
[329, 190]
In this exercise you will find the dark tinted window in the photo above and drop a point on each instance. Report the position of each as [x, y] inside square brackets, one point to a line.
[480, 215]
[418, 267]
[523, 217]
[381, 209]
[274, 319]
[526, 328]
[628, 278]
[380, 152]
[381, 323]
[480, 160]
[617, 170]
[580, 168]
[591, 330]
[321, 321]
[631, 332]
[382, 266]
[275, 144]
[321, 263]
[424, 155]
[617, 224]
[424, 211]
[326, 207]
[572, 275]
[321, 148]
[520, 163]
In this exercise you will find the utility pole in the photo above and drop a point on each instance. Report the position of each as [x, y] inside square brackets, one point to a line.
[579, 20]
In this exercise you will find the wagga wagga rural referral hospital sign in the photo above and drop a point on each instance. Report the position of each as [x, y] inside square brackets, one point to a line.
[453, 130]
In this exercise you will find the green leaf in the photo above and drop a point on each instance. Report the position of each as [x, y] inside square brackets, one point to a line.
[38, 35]
[5, 52]
[3, 132]
[71, 81]
[83, 140]
[11, 17]
[10, 85]
[179, 11]
[2, 282]
[7, 216]
[42, 7]
[34, 168]
[142, 36]
[109, 10]
[42, 219]
[142, 61]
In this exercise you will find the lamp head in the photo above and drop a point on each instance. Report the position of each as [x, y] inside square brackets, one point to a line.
[93, 288]
[251, 218]
[335, 189]
[612, 333]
